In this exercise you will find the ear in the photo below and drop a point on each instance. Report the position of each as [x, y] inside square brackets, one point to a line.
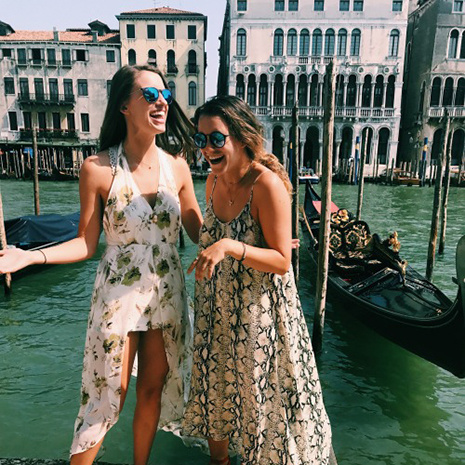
[124, 109]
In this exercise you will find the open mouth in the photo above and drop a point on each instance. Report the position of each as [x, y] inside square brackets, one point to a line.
[215, 161]
[157, 116]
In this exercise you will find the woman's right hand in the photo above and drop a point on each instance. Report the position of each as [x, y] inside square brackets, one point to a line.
[14, 259]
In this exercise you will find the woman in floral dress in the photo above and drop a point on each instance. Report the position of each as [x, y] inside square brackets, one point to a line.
[139, 194]
[255, 386]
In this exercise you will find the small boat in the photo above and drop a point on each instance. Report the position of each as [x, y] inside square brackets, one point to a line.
[39, 232]
[307, 174]
[376, 285]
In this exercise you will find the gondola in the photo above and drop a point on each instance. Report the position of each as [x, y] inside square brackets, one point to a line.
[371, 281]
[39, 232]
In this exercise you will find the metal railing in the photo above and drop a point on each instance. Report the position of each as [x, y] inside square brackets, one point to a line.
[27, 98]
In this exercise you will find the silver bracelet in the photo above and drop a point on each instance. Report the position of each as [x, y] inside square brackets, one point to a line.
[45, 257]
[244, 253]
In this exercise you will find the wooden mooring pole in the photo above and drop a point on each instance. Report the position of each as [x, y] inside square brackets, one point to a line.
[3, 245]
[295, 187]
[445, 196]
[36, 171]
[361, 177]
[325, 215]
[437, 200]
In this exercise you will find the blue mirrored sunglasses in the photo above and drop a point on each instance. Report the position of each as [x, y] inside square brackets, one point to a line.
[217, 139]
[151, 94]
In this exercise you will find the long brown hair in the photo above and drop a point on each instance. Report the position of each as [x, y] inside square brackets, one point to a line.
[179, 129]
[244, 126]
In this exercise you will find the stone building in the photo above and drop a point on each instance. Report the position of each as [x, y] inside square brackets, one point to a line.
[434, 79]
[174, 40]
[57, 81]
[274, 52]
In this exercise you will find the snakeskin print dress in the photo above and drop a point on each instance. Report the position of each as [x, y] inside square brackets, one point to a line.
[254, 379]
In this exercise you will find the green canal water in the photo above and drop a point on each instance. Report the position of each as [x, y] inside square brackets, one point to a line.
[386, 405]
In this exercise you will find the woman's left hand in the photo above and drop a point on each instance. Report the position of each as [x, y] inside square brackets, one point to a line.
[206, 261]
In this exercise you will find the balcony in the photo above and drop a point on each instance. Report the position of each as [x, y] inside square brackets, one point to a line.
[48, 134]
[171, 70]
[439, 112]
[192, 69]
[27, 100]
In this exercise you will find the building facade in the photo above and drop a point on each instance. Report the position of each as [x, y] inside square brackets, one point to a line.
[297, 39]
[174, 41]
[434, 79]
[57, 82]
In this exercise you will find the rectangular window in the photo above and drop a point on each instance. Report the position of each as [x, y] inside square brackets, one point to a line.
[82, 88]
[397, 5]
[111, 58]
[9, 85]
[319, 5]
[24, 87]
[13, 120]
[279, 5]
[66, 57]
[358, 5]
[108, 88]
[192, 32]
[71, 121]
[241, 5]
[42, 117]
[170, 31]
[151, 31]
[27, 117]
[68, 88]
[85, 127]
[344, 5]
[56, 120]
[51, 56]
[130, 31]
[36, 56]
[81, 55]
[458, 6]
[22, 57]
[53, 87]
[39, 88]
[7, 52]
[293, 5]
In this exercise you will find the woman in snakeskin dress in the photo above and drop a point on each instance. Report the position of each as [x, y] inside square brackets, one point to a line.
[255, 388]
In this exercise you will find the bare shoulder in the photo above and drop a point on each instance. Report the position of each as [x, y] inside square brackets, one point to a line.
[96, 168]
[268, 184]
[178, 162]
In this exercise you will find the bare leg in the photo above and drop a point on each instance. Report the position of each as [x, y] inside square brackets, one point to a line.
[218, 450]
[130, 349]
[153, 368]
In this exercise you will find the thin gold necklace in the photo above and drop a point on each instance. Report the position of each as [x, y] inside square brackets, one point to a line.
[232, 200]
[138, 162]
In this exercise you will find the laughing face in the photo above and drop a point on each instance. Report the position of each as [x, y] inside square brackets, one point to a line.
[146, 116]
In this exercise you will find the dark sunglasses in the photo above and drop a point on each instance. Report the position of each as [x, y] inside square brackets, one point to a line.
[217, 139]
[151, 94]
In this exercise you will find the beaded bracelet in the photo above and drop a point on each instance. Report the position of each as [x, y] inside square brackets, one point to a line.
[45, 257]
[244, 253]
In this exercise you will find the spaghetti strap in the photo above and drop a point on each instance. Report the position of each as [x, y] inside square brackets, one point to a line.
[210, 199]
[253, 184]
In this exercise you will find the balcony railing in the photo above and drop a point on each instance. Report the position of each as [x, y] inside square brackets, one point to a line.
[438, 112]
[25, 98]
[48, 134]
[192, 69]
[171, 70]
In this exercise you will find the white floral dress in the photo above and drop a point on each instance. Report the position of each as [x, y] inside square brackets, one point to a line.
[139, 286]
[254, 377]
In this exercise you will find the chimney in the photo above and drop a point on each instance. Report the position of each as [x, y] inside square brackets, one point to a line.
[94, 36]
[56, 37]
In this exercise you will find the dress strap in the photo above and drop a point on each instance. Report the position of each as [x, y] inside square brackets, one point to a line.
[253, 184]
[166, 171]
[113, 153]
[210, 200]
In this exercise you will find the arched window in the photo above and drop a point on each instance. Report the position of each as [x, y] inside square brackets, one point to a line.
[394, 43]
[390, 92]
[152, 57]
[278, 42]
[278, 90]
[352, 91]
[172, 88]
[341, 42]
[458, 146]
[263, 91]
[462, 47]
[290, 90]
[314, 100]
[435, 92]
[340, 90]
[317, 41]
[192, 62]
[278, 142]
[421, 104]
[379, 91]
[303, 90]
[241, 43]
[329, 42]
[171, 62]
[437, 144]
[366, 92]
[240, 86]
[448, 93]
[292, 42]
[304, 48]
[131, 57]
[383, 144]
[355, 43]
[192, 93]
[453, 44]
[460, 94]
[252, 90]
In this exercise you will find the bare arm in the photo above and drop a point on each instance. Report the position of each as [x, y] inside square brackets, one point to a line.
[191, 215]
[274, 215]
[91, 185]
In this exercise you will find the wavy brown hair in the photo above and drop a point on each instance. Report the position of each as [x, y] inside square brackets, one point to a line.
[178, 135]
[244, 126]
